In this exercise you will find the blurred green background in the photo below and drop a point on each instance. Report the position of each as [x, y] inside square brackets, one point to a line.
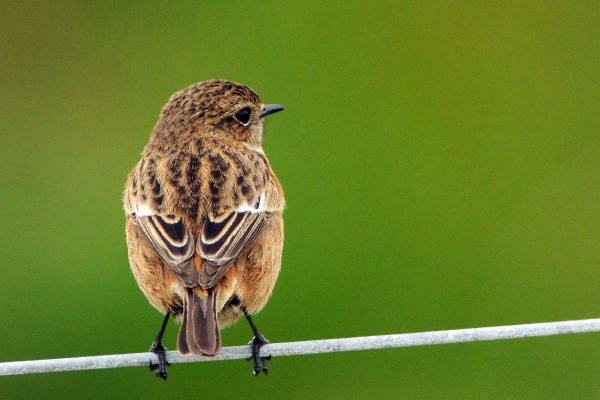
[440, 162]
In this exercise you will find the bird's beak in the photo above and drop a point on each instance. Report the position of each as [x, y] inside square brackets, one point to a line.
[269, 109]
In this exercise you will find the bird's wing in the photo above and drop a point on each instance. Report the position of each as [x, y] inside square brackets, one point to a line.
[172, 240]
[223, 237]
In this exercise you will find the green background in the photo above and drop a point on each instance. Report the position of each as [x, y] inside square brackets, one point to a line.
[441, 168]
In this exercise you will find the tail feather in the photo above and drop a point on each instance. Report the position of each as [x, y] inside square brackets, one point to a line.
[182, 345]
[199, 333]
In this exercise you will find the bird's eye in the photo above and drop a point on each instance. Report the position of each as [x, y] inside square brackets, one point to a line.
[243, 115]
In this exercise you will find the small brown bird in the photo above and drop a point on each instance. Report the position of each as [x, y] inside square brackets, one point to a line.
[204, 217]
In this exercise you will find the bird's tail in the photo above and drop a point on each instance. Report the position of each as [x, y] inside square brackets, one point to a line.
[199, 333]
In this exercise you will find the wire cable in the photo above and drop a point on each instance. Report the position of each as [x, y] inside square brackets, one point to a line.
[310, 347]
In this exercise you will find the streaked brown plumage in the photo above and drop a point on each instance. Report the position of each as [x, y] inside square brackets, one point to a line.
[204, 214]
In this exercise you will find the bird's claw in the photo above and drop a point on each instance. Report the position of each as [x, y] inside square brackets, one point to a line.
[260, 362]
[159, 369]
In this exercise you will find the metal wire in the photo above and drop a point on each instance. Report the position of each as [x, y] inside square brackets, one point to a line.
[310, 347]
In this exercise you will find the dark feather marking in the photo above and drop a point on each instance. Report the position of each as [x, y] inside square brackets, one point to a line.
[156, 187]
[193, 211]
[233, 301]
[212, 229]
[176, 306]
[195, 187]
[174, 165]
[214, 187]
[174, 233]
[263, 158]
[218, 162]
[192, 171]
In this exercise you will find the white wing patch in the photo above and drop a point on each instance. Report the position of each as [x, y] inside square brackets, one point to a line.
[257, 207]
[143, 210]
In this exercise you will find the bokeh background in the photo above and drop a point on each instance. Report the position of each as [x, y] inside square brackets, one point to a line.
[441, 167]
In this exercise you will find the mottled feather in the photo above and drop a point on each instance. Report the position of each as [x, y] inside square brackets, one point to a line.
[202, 196]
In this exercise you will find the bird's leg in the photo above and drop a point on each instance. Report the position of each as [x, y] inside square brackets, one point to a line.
[157, 348]
[258, 341]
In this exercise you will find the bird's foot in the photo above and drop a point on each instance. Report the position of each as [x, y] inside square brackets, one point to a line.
[260, 362]
[159, 369]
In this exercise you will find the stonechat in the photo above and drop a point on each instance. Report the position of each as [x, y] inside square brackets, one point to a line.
[204, 219]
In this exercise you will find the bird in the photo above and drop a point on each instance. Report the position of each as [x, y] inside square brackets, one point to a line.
[203, 218]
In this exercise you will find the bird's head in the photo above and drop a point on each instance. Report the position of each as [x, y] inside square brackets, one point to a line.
[220, 109]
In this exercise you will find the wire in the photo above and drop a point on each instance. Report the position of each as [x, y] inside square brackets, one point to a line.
[310, 347]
